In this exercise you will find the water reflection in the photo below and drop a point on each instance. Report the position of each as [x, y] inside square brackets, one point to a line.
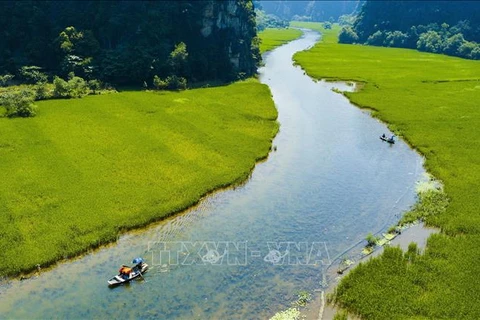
[330, 181]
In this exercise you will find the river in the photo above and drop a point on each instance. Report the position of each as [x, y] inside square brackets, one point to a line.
[245, 252]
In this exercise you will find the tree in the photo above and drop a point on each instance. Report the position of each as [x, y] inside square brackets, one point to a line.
[347, 35]
[376, 39]
[396, 39]
[452, 44]
[178, 59]
[77, 48]
[33, 74]
[5, 79]
[430, 41]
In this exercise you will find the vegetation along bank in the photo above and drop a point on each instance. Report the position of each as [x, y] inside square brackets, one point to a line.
[431, 100]
[84, 170]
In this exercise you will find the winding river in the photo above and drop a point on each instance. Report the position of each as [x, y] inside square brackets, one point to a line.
[245, 252]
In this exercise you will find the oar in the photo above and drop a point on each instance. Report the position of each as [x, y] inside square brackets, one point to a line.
[141, 275]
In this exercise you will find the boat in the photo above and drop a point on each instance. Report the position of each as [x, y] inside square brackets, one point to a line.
[127, 274]
[389, 140]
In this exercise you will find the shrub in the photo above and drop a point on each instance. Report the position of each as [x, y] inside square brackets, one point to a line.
[60, 88]
[376, 39]
[94, 85]
[347, 35]
[5, 79]
[396, 39]
[158, 83]
[171, 83]
[33, 74]
[371, 240]
[19, 103]
[42, 91]
[76, 87]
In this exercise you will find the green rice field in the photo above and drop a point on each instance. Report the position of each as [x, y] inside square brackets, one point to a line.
[84, 170]
[432, 102]
[272, 38]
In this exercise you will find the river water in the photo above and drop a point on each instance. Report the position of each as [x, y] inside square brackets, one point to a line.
[245, 252]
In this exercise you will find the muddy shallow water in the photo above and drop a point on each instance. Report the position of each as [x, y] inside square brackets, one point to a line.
[246, 252]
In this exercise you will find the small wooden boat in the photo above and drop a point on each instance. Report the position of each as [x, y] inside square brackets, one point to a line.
[389, 140]
[127, 274]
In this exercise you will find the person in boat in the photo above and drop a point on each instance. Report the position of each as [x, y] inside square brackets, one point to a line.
[384, 136]
[391, 138]
[125, 271]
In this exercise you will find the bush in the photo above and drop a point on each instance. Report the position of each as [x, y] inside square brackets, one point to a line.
[60, 88]
[5, 79]
[33, 74]
[396, 39]
[42, 91]
[170, 83]
[76, 87]
[158, 83]
[94, 85]
[376, 39]
[19, 103]
[347, 35]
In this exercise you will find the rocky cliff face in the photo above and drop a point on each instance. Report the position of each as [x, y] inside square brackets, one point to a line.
[233, 23]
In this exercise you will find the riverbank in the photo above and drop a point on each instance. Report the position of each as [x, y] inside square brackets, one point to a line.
[431, 102]
[86, 170]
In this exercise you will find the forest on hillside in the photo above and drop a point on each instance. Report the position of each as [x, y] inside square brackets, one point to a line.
[448, 27]
[308, 10]
[129, 42]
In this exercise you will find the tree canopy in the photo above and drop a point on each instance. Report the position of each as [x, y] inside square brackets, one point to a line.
[448, 27]
[128, 42]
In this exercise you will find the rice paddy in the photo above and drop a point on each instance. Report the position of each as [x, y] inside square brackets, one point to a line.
[431, 101]
[272, 38]
[85, 170]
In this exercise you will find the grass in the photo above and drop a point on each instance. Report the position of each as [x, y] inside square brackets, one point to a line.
[272, 38]
[432, 102]
[84, 170]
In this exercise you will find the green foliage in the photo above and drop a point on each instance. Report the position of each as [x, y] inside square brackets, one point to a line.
[346, 20]
[432, 101]
[18, 103]
[309, 10]
[42, 91]
[94, 85]
[264, 21]
[347, 35]
[340, 315]
[430, 203]
[32, 74]
[289, 314]
[272, 38]
[303, 297]
[75, 87]
[371, 240]
[412, 25]
[5, 79]
[90, 168]
[178, 59]
[61, 89]
[126, 42]
[170, 83]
